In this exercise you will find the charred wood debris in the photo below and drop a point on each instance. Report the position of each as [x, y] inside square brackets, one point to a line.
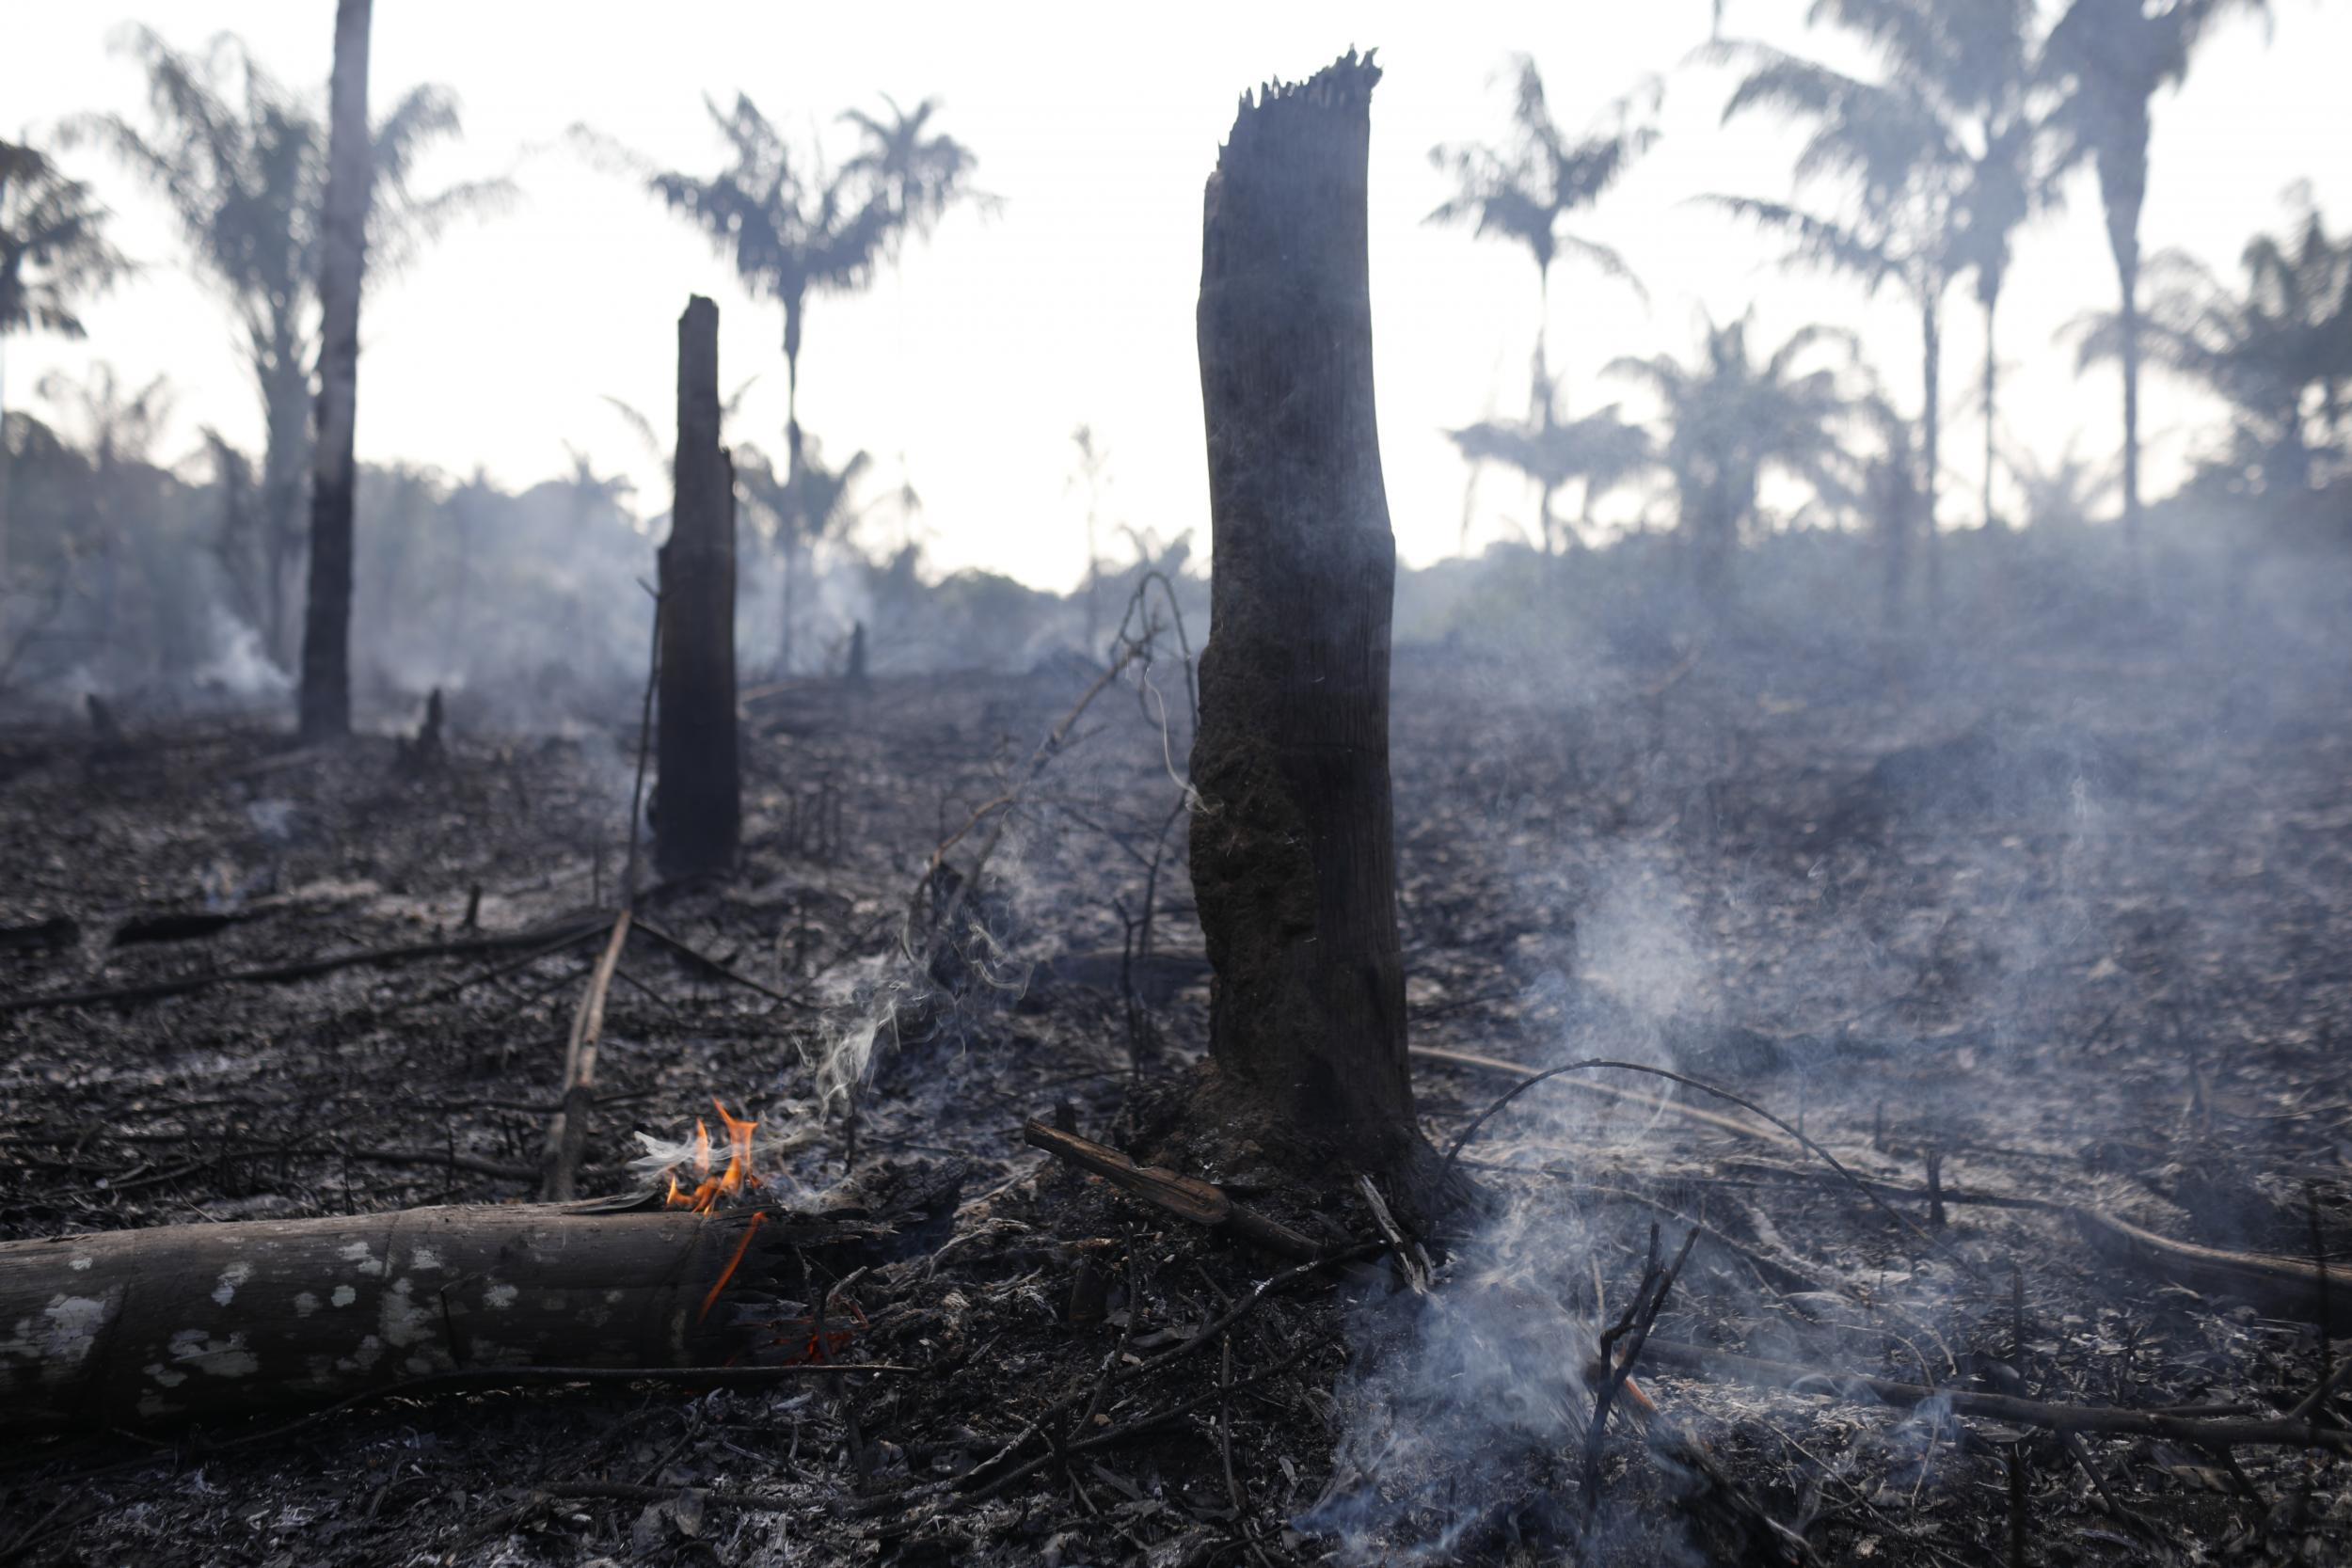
[1935, 1241]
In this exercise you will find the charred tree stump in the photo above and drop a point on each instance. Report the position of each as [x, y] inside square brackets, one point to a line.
[326, 700]
[699, 788]
[1291, 858]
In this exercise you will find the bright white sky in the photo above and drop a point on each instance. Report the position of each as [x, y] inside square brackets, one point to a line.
[1097, 126]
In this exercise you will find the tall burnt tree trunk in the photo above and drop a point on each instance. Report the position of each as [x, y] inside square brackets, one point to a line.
[1291, 858]
[350, 178]
[701, 790]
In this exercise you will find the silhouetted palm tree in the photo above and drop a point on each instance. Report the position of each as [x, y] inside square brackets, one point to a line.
[1600, 450]
[1092, 462]
[2062, 491]
[795, 230]
[1971, 64]
[53, 252]
[2278, 350]
[593, 495]
[1730, 420]
[120, 429]
[1526, 191]
[920, 172]
[2109, 58]
[805, 509]
[242, 161]
[1893, 142]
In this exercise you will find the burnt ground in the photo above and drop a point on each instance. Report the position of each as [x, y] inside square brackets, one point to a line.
[2068, 927]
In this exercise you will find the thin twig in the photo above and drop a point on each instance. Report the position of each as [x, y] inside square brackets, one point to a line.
[2291, 1431]
[645, 732]
[567, 1136]
[1824, 1155]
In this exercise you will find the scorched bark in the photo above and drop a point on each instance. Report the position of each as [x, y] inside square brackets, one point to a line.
[1292, 856]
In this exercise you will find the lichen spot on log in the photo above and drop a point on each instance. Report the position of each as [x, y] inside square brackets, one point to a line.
[228, 1357]
[164, 1375]
[344, 1295]
[359, 1256]
[403, 1321]
[231, 1278]
[305, 1304]
[73, 1329]
[363, 1356]
[425, 1258]
[81, 1263]
[500, 1297]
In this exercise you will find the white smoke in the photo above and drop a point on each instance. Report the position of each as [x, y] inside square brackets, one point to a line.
[238, 665]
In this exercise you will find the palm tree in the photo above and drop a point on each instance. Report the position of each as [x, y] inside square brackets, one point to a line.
[2109, 58]
[2062, 491]
[1526, 191]
[1904, 248]
[1730, 420]
[1092, 462]
[796, 230]
[53, 251]
[920, 172]
[242, 161]
[2278, 351]
[1599, 450]
[804, 508]
[593, 496]
[1893, 143]
[1970, 64]
[121, 427]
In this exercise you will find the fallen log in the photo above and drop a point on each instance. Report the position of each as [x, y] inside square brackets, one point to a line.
[208, 1322]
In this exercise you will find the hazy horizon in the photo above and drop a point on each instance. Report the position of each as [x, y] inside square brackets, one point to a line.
[965, 369]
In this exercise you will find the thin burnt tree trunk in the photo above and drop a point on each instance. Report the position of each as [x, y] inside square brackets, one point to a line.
[326, 698]
[2131, 400]
[1932, 447]
[1292, 856]
[701, 789]
[1991, 301]
[4, 472]
[286, 410]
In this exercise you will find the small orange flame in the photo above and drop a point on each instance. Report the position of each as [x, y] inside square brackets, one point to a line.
[738, 1176]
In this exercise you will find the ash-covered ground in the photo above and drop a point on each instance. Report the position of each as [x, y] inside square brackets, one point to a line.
[2056, 925]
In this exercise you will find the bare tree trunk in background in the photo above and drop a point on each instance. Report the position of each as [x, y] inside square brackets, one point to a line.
[286, 405]
[1992, 382]
[350, 179]
[1895, 524]
[792, 602]
[700, 791]
[1291, 854]
[2131, 400]
[1931, 441]
[4, 483]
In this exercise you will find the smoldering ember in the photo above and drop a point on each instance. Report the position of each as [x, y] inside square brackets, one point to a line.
[1260, 887]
